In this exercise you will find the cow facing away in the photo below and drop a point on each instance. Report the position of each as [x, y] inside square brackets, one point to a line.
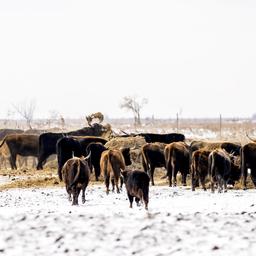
[199, 167]
[177, 159]
[152, 157]
[111, 163]
[76, 175]
[248, 160]
[137, 185]
[219, 169]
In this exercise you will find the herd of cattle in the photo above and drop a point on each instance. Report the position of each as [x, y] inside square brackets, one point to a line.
[79, 152]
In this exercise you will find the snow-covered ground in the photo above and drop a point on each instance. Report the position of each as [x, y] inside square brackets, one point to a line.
[179, 222]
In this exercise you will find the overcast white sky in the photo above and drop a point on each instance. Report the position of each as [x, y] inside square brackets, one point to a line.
[79, 57]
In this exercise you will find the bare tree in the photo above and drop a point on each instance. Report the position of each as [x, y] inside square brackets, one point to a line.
[26, 110]
[135, 105]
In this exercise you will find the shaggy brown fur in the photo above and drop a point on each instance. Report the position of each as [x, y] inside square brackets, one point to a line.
[137, 185]
[111, 163]
[177, 159]
[199, 167]
[76, 174]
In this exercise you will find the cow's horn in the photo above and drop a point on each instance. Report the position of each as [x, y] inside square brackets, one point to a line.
[88, 156]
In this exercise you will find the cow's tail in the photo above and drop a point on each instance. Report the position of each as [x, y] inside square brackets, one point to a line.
[3, 141]
[78, 167]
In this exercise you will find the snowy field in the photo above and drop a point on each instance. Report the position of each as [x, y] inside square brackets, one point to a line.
[179, 222]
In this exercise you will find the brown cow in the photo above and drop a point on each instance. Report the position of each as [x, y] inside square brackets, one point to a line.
[152, 157]
[111, 163]
[21, 144]
[199, 167]
[76, 174]
[137, 185]
[219, 169]
[177, 159]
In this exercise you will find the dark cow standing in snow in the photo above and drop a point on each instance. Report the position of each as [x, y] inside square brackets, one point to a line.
[137, 185]
[76, 174]
[177, 159]
[199, 167]
[47, 141]
[20, 144]
[111, 163]
[152, 157]
[219, 169]
[248, 160]
[67, 147]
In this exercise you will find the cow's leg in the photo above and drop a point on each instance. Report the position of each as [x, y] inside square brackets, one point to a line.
[225, 185]
[121, 183]
[244, 177]
[97, 172]
[202, 180]
[69, 193]
[184, 178]
[193, 179]
[41, 161]
[137, 200]
[174, 175]
[253, 176]
[169, 174]
[106, 178]
[130, 199]
[117, 183]
[13, 161]
[151, 173]
[145, 197]
[212, 184]
[78, 190]
[113, 184]
[75, 192]
[220, 183]
[83, 194]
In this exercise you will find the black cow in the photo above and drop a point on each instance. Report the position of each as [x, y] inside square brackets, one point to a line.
[76, 175]
[96, 149]
[163, 138]
[248, 160]
[67, 147]
[152, 157]
[47, 141]
[137, 185]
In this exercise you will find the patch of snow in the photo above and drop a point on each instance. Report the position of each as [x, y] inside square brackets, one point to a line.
[179, 222]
